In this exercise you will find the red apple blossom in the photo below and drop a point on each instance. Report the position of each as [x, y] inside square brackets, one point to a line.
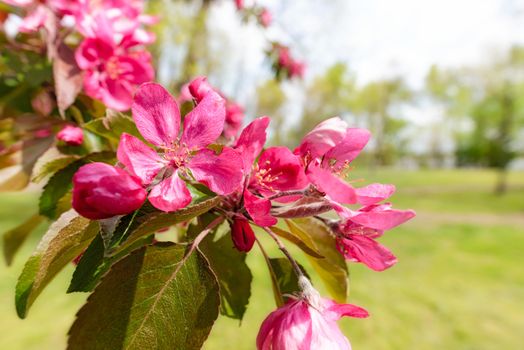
[242, 234]
[101, 191]
[157, 117]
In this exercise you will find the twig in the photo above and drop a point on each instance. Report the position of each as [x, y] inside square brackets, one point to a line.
[287, 193]
[284, 250]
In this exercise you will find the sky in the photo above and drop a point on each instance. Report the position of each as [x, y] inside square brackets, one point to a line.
[378, 38]
[375, 38]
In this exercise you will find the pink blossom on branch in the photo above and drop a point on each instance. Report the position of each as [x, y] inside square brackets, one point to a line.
[302, 324]
[326, 152]
[278, 169]
[113, 70]
[242, 234]
[157, 117]
[101, 191]
[72, 135]
[265, 17]
[199, 87]
[358, 230]
[285, 62]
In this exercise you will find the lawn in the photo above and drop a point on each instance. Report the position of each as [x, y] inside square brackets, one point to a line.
[459, 283]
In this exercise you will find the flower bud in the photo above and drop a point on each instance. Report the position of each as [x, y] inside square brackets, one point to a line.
[101, 191]
[265, 18]
[242, 234]
[72, 135]
[199, 88]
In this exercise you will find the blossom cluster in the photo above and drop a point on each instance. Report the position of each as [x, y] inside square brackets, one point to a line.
[253, 183]
[285, 63]
[112, 51]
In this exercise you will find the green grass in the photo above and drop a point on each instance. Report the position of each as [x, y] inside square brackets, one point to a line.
[458, 285]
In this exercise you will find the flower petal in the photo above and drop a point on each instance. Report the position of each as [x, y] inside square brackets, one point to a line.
[91, 51]
[337, 310]
[282, 169]
[156, 114]
[252, 140]
[221, 173]
[348, 149]
[374, 193]
[259, 208]
[322, 138]
[204, 124]
[366, 250]
[171, 194]
[334, 187]
[381, 217]
[138, 158]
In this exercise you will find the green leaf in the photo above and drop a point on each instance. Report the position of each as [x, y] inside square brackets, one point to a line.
[304, 242]
[285, 275]
[66, 239]
[332, 269]
[234, 276]
[112, 126]
[14, 238]
[93, 264]
[150, 223]
[61, 182]
[52, 167]
[152, 299]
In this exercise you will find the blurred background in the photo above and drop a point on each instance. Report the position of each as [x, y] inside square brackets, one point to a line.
[441, 86]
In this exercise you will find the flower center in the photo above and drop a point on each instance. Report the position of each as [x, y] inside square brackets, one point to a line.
[177, 154]
[113, 68]
[265, 177]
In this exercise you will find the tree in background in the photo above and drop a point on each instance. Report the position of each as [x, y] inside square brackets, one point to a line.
[377, 102]
[327, 95]
[491, 99]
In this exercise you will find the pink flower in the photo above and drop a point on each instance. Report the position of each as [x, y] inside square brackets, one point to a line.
[185, 95]
[19, 3]
[157, 117]
[284, 57]
[242, 234]
[113, 70]
[265, 18]
[326, 152]
[239, 4]
[121, 17]
[234, 117]
[358, 231]
[285, 61]
[278, 169]
[34, 20]
[72, 135]
[199, 88]
[101, 191]
[299, 325]
[297, 69]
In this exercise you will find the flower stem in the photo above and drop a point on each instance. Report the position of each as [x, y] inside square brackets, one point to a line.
[298, 270]
[286, 193]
